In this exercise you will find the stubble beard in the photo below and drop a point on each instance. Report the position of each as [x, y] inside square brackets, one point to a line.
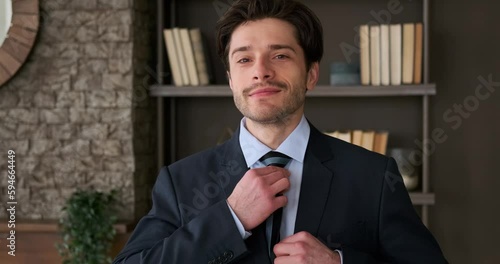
[269, 114]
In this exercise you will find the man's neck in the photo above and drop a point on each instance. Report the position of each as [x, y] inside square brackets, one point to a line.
[273, 134]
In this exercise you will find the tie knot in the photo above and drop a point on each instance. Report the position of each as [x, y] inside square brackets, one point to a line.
[274, 158]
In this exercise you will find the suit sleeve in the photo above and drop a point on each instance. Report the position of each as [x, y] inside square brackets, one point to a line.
[162, 237]
[403, 237]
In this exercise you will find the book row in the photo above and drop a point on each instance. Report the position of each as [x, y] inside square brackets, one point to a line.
[187, 56]
[391, 54]
[369, 139]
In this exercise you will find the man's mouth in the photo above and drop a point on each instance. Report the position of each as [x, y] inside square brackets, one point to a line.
[265, 91]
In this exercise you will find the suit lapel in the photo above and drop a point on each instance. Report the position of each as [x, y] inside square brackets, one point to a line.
[315, 187]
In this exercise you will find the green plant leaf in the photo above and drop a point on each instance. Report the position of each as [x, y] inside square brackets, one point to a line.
[87, 227]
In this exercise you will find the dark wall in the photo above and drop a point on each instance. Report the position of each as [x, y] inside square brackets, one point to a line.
[464, 48]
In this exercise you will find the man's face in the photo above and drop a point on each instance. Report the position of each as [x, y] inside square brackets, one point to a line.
[268, 73]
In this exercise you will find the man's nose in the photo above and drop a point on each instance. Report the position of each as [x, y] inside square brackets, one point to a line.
[263, 70]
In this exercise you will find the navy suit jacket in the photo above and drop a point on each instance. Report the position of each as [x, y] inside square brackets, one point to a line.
[350, 199]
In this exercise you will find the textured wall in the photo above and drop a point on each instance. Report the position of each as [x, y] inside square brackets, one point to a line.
[77, 114]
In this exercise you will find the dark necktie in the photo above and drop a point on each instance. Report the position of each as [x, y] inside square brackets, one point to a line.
[273, 158]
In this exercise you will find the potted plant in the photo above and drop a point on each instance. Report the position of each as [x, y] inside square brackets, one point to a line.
[87, 227]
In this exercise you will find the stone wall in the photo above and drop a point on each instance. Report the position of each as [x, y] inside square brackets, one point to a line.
[77, 113]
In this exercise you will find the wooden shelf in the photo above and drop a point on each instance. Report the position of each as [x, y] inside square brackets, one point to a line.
[422, 198]
[319, 91]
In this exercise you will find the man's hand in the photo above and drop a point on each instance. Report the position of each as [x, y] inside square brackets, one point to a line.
[304, 248]
[254, 197]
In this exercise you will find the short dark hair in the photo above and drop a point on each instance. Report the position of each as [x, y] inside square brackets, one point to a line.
[308, 29]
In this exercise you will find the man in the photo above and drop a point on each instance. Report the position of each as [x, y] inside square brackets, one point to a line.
[333, 202]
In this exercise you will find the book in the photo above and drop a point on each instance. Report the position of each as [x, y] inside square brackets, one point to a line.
[332, 134]
[408, 52]
[384, 55]
[189, 56]
[395, 57]
[364, 54]
[367, 139]
[200, 56]
[357, 137]
[380, 142]
[180, 56]
[375, 55]
[172, 57]
[417, 73]
[344, 135]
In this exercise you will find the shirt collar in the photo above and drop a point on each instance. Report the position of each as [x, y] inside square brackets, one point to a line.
[294, 145]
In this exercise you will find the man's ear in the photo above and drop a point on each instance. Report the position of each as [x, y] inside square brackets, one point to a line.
[312, 76]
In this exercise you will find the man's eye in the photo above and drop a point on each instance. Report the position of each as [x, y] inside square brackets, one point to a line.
[244, 60]
[281, 56]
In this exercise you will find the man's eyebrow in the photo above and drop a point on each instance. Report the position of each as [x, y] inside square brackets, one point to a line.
[271, 47]
[244, 48]
[281, 46]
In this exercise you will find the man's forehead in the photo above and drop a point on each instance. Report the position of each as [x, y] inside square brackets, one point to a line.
[271, 34]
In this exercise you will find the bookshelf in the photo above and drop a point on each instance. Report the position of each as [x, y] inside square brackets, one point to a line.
[403, 109]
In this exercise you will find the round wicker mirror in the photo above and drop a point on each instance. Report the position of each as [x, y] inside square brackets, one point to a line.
[20, 35]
